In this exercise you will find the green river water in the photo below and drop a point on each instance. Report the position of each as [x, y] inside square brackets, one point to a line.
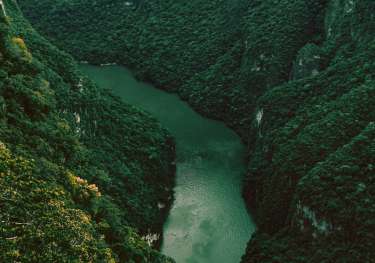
[208, 222]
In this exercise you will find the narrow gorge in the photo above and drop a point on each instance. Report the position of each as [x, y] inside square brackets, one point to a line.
[208, 221]
[95, 166]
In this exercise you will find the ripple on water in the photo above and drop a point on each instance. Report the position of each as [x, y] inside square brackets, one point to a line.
[208, 221]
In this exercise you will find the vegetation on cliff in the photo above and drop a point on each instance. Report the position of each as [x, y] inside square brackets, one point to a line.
[81, 173]
[294, 78]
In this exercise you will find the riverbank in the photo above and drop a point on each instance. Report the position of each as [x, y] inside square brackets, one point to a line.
[208, 221]
[305, 68]
[83, 172]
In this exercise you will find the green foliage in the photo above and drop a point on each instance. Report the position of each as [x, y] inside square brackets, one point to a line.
[39, 221]
[275, 32]
[307, 133]
[81, 172]
[308, 159]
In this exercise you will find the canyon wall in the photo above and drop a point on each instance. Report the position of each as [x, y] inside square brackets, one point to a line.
[82, 173]
[295, 79]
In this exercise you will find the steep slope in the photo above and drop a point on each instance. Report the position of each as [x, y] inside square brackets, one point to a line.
[81, 173]
[312, 177]
[207, 51]
[293, 78]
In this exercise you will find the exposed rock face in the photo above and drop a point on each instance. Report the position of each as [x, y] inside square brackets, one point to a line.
[308, 218]
[294, 78]
[3, 7]
[307, 63]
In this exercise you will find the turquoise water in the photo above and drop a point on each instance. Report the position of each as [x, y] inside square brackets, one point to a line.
[208, 222]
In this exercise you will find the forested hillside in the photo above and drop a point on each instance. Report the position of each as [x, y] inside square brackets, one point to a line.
[295, 78]
[82, 174]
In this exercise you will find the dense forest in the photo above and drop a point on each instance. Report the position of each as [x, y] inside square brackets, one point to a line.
[294, 78]
[82, 173]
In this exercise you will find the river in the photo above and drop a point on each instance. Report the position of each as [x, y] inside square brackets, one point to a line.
[208, 222]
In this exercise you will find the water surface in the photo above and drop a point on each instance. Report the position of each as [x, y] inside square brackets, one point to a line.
[208, 222]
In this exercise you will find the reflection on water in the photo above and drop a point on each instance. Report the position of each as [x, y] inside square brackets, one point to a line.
[208, 221]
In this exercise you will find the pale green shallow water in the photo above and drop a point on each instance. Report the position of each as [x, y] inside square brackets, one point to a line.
[208, 222]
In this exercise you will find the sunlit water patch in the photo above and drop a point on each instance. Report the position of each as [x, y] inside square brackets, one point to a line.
[208, 222]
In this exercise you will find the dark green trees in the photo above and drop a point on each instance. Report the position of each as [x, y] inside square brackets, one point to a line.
[77, 183]
[294, 78]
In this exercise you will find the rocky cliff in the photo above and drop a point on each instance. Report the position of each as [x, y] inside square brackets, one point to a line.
[81, 173]
[294, 78]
